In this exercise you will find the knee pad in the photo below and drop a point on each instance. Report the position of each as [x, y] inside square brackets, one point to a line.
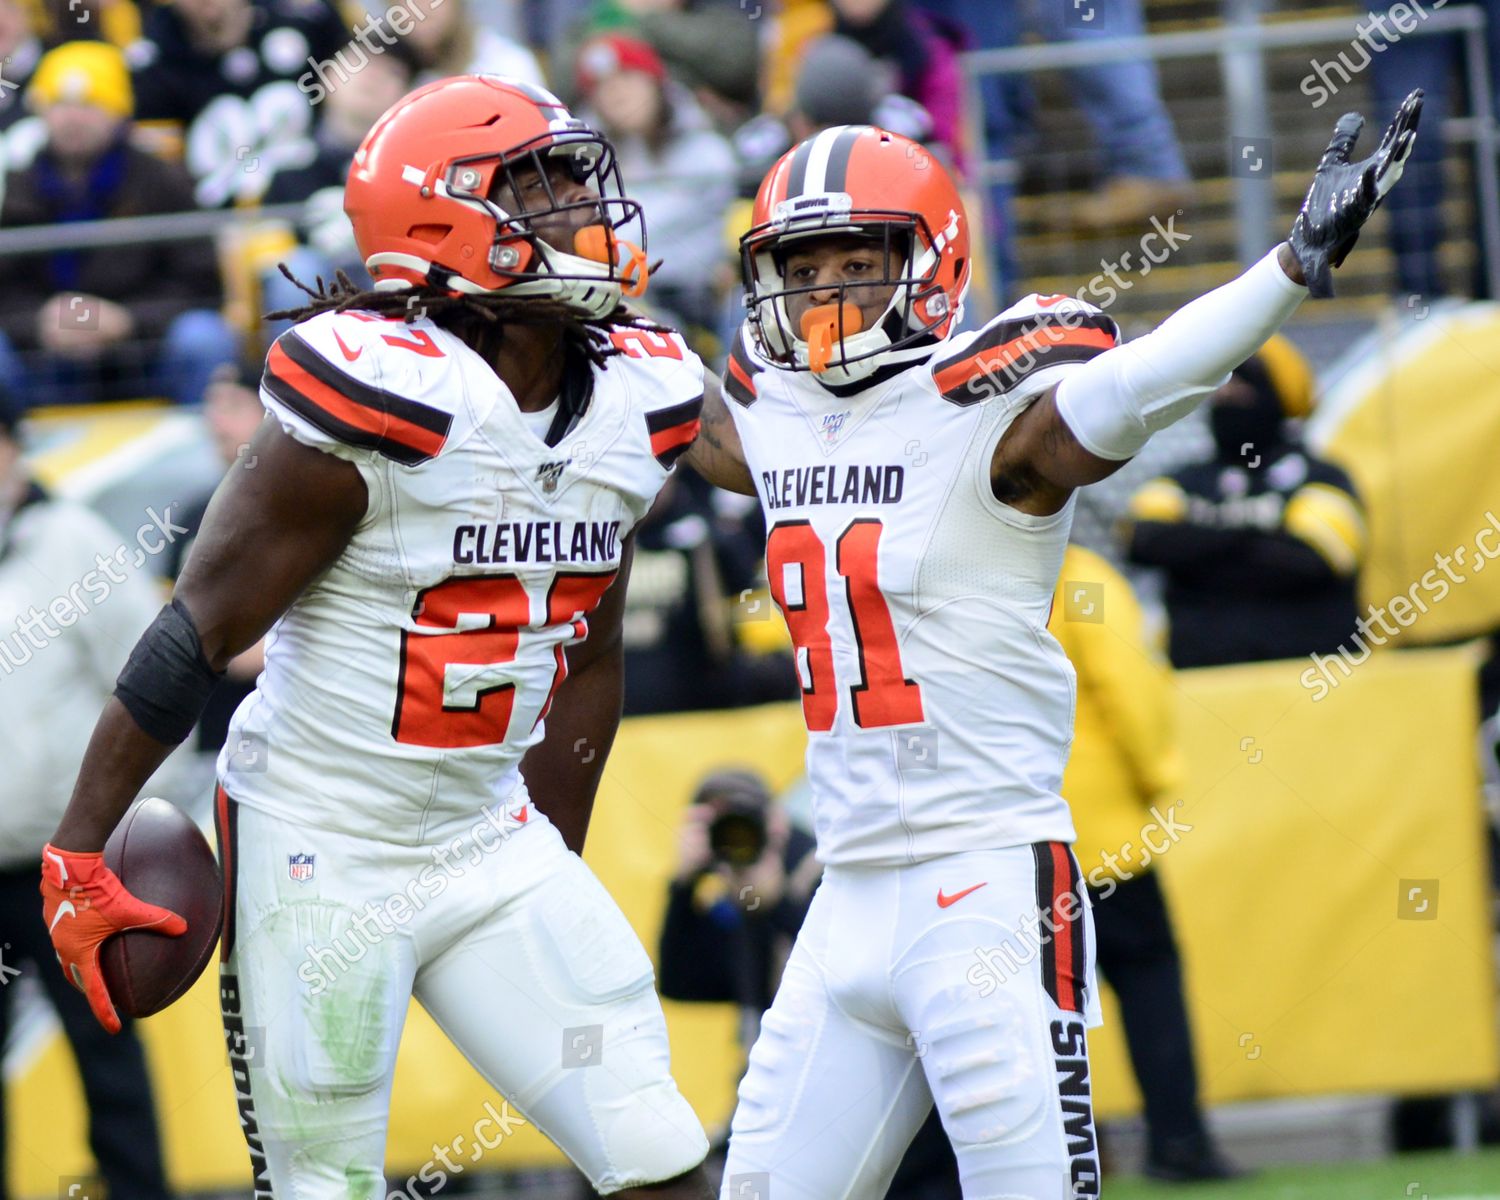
[581, 939]
[652, 1136]
[329, 1034]
[984, 1057]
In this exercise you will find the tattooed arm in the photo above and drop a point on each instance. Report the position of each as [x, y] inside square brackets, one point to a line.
[1117, 399]
[1039, 462]
[716, 454]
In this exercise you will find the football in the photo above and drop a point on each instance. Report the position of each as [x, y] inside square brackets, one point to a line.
[162, 858]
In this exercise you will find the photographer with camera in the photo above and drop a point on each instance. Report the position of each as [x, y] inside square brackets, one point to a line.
[745, 877]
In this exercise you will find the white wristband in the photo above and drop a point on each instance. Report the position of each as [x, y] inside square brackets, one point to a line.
[1113, 403]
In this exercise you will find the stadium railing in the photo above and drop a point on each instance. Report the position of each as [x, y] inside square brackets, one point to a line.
[1243, 47]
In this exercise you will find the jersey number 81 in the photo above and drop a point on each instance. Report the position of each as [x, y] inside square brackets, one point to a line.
[883, 696]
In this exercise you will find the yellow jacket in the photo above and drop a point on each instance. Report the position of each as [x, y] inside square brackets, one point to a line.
[1125, 755]
[794, 25]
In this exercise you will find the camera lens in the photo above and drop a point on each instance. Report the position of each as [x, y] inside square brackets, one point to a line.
[738, 838]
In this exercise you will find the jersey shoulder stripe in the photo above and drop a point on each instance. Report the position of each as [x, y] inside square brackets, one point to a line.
[740, 371]
[350, 410]
[674, 429]
[1012, 348]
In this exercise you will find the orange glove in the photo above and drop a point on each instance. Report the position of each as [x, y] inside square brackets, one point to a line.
[84, 904]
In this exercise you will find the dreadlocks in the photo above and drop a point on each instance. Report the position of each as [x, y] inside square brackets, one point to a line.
[478, 320]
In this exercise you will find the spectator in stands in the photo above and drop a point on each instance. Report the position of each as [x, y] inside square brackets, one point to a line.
[115, 21]
[326, 237]
[1260, 546]
[20, 51]
[1142, 167]
[117, 321]
[744, 880]
[679, 169]
[1121, 778]
[709, 46]
[67, 624]
[838, 82]
[241, 80]
[1417, 227]
[446, 40]
[690, 564]
[923, 52]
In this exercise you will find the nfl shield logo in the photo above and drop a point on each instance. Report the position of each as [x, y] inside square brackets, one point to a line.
[833, 423]
[300, 867]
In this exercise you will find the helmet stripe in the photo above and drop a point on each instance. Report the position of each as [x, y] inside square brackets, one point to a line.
[541, 97]
[798, 177]
[835, 175]
[817, 160]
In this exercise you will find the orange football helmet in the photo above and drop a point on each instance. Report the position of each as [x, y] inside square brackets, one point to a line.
[862, 180]
[425, 189]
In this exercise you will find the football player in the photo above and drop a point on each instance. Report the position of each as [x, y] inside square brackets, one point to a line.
[434, 514]
[918, 487]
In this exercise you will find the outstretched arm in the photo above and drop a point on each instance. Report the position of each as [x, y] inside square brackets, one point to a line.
[1092, 423]
[1100, 416]
[716, 454]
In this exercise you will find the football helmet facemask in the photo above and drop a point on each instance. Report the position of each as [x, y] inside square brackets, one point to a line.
[864, 181]
[433, 186]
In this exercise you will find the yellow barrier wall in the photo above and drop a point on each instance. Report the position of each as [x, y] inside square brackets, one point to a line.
[1308, 819]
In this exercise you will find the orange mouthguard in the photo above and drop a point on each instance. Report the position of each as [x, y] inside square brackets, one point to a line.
[599, 243]
[825, 324]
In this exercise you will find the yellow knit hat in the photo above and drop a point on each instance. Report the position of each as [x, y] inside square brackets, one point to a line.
[84, 73]
[1290, 374]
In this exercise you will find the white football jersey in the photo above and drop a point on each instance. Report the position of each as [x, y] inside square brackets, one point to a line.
[939, 708]
[405, 684]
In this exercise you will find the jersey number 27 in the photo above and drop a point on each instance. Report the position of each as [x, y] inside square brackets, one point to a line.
[497, 612]
[883, 696]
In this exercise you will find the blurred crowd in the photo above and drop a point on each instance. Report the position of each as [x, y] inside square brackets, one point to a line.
[135, 109]
[111, 109]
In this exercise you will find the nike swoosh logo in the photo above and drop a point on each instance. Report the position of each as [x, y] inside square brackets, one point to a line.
[350, 355]
[65, 909]
[945, 901]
